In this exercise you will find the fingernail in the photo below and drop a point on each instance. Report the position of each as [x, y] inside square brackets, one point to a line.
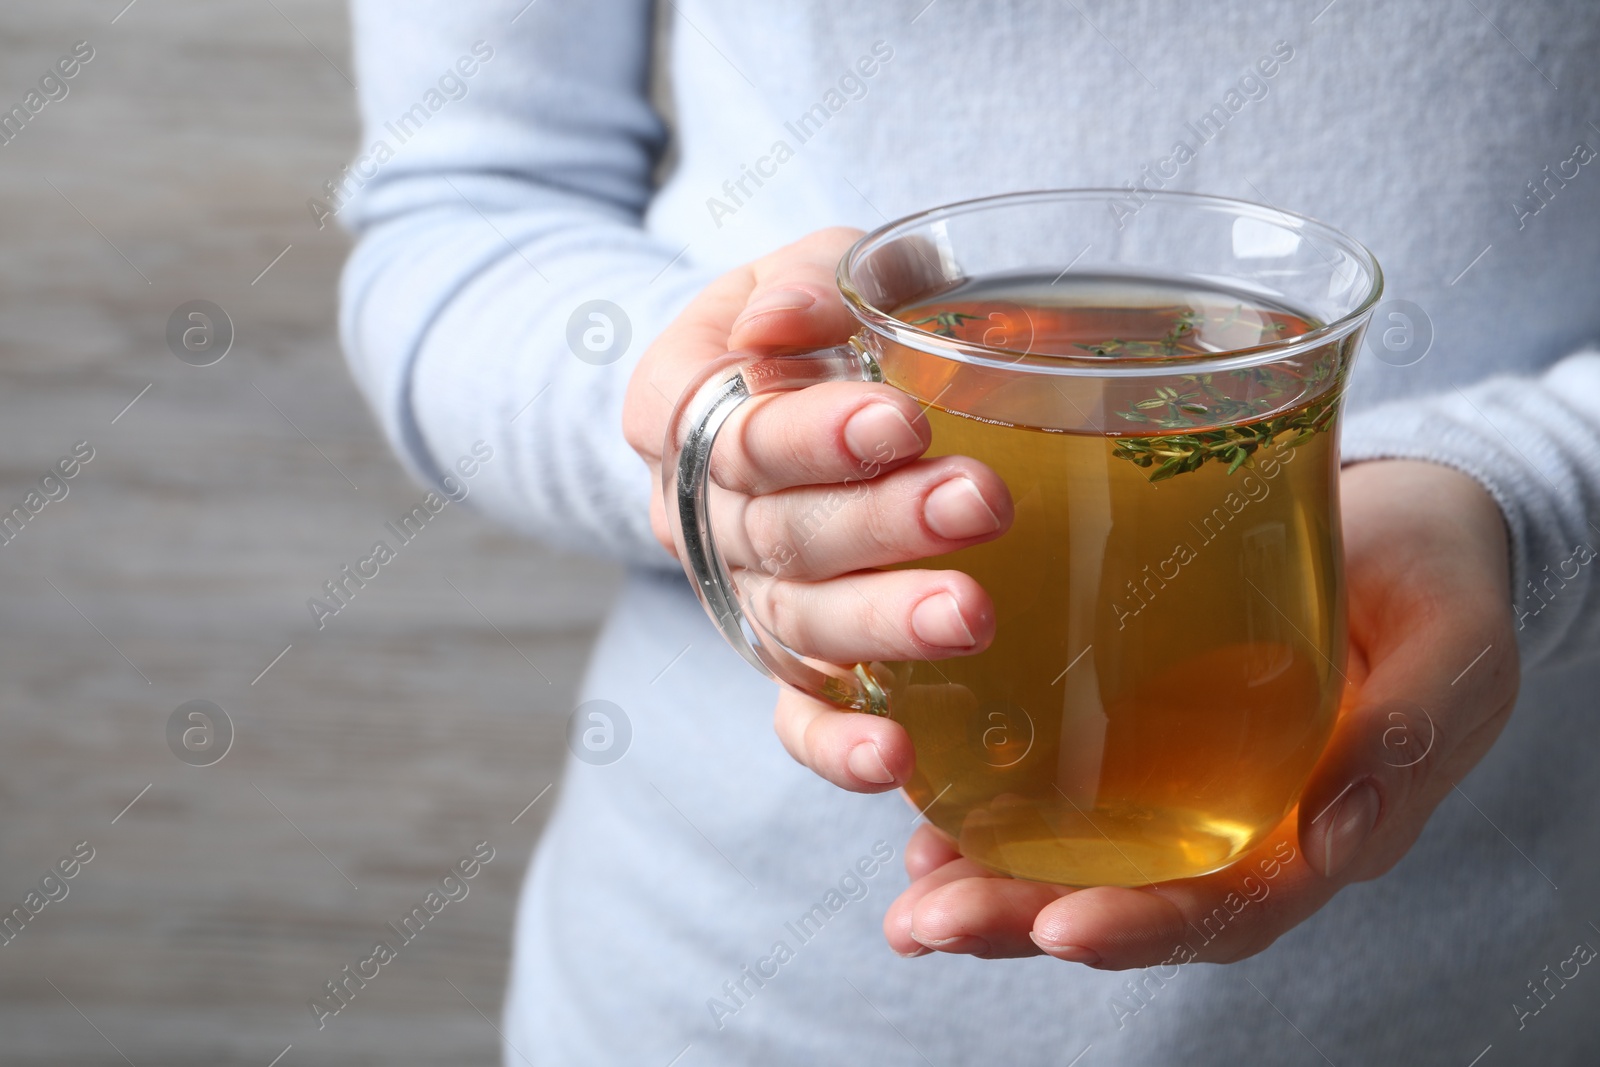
[937, 621]
[866, 763]
[1070, 953]
[965, 944]
[920, 950]
[1349, 823]
[777, 300]
[956, 510]
[878, 433]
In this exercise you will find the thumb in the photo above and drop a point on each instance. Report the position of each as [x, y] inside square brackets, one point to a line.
[1405, 737]
[1435, 662]
[795, 302]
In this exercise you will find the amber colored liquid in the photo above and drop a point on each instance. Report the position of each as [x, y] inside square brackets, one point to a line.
[1167, 662]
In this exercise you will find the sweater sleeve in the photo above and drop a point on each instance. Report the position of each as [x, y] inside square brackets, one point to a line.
[1534, 443]
[503, 285]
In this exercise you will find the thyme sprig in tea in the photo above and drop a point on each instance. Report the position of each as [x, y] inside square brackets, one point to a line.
[945, 323]
[1201, 418]
[1202, 401]
[1171, 344]
[1186, 324]
[1173, 454]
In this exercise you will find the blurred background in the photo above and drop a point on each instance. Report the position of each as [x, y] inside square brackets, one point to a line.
[367, 757]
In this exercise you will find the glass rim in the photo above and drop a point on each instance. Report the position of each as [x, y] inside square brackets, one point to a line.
[887, 326]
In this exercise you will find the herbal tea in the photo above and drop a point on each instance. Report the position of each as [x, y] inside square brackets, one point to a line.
[1170, 632]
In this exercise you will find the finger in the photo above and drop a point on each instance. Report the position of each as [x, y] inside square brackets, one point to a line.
[927, 509]
[834, 432]
[983, 916]
[702, 331]
[928, 849]
[1407, 733]
[681, 350]
[795, 301]
[1217, 918]
[1401, 743]
[1368, 799]
[874, 615]
[898, 920]
[1111, 927]
[861, 753]
[1439, 660]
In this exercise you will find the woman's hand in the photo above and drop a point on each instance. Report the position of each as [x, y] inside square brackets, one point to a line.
[1433, 673]
[1433, 661]
[800, 542]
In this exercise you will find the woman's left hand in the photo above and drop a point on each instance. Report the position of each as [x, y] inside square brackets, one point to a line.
[1433, 669]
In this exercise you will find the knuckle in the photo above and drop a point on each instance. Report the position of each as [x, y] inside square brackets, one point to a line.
[890, 631]
[766, 533]
[730, 466]
[733, 459]
[816, 742]
[775, 603]
[834, 511]
[890, 519]
[776, 443]
[791, 444]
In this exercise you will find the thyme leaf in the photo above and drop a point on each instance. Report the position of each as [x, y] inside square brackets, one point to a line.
[1199, 399]
[1173, 454]
[945, 322]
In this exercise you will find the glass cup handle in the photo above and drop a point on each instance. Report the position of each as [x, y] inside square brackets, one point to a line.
[685, 483]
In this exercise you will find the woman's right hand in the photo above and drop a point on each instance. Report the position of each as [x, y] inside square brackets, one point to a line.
[813, 490]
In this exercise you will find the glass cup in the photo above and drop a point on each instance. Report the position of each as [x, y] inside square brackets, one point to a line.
[1170, 615]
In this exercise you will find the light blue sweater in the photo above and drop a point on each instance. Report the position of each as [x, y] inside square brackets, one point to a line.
[514, 168]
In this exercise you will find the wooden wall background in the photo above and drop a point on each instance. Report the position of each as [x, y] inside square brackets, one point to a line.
[179, 564]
